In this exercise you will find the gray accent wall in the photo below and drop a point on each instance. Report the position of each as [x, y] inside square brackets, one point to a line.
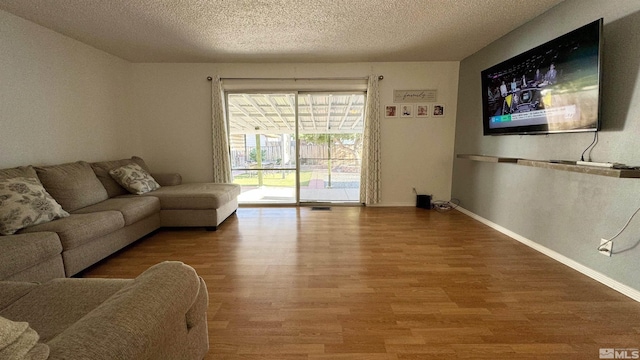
[566, 212]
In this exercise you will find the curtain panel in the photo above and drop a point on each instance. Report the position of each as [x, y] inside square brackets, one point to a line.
[221, 157]
[370, 173]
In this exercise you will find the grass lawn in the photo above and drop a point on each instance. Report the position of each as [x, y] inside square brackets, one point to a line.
[273, 178]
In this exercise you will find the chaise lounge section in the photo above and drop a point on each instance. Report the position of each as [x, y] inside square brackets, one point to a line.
[181, 204]
[196, 204]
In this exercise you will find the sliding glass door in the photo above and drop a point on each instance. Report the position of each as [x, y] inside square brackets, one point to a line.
[294, 147]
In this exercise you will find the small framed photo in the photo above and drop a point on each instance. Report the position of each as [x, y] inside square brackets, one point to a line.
[391, 111]
[438, 110]
[406, 110]
[422, 111]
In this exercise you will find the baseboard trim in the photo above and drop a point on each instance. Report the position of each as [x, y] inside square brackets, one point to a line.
[595, 275]
[392, 205]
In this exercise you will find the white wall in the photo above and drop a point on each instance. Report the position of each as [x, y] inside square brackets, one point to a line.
[60, 100]
[172, 114]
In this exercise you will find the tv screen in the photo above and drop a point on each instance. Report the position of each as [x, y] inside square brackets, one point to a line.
[554, 87]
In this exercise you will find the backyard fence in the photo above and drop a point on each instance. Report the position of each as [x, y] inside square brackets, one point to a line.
[309, 155]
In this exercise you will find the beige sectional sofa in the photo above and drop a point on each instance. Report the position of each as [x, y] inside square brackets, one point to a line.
[58, 220]
[159, 315]
[103, 216]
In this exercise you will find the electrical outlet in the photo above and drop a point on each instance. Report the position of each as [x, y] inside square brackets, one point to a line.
[607, 249]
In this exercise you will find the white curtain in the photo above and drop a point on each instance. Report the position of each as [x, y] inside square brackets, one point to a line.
[370, 173]
[221, 158]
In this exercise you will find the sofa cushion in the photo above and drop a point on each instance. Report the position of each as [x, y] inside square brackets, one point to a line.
[22, 171]
[19, 341]
[79, 229]
[101, 169]
[133, 209]
[134, 178]
[73, 185]
[167, 179]
[195, 195]
[24, 202]
[22, 251]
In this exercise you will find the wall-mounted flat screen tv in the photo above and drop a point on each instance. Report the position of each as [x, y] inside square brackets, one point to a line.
[554, 87]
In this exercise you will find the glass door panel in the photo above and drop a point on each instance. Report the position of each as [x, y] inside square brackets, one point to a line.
[262, 141]
[330, 127]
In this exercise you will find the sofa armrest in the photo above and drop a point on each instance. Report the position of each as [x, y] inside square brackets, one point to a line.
[146, 319]
[168, 179]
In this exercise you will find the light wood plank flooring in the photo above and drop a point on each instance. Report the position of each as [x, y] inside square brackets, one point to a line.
[384, 283]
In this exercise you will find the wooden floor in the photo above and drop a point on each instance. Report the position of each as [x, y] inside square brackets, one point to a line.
[384, 283]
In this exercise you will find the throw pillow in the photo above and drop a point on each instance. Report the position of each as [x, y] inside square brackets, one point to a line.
[134, 178]
[102, 169]
[24, 202]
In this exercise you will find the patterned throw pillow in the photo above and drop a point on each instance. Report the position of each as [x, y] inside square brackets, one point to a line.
[24, 202]
[134, 178]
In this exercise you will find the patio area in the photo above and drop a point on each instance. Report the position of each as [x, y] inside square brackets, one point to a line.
[343, 188]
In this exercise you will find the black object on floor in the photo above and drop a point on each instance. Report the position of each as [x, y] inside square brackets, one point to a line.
[423, 201]
[320, 208]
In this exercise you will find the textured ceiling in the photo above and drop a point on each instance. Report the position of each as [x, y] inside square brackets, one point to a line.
[282, 30]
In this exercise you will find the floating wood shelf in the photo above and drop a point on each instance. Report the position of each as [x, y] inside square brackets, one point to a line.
[584, 169]
[486, 158]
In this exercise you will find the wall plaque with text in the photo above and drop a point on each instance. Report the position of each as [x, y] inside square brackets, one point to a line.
[416, 96]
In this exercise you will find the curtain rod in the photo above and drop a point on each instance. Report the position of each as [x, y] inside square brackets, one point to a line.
[296, 79]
